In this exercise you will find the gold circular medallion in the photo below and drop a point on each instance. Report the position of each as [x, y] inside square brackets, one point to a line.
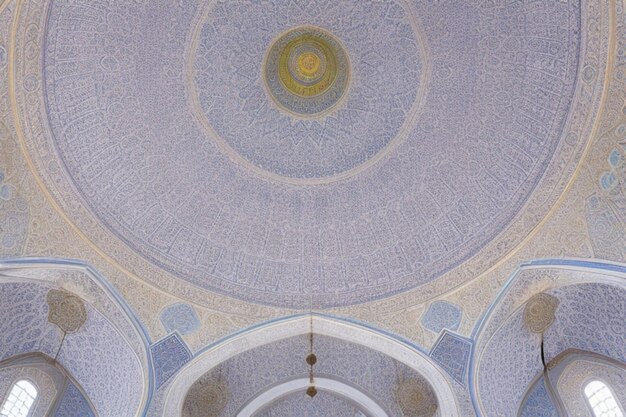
[307, 71]
[308, 63]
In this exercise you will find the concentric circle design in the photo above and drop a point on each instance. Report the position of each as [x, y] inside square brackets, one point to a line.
[307, 71]
[161, 144]
[338, 97]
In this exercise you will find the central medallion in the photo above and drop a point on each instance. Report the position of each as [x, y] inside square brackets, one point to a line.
[307, 71]
[306, 103]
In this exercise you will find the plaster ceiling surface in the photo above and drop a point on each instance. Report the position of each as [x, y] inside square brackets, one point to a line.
[324, 404]
[163, 129]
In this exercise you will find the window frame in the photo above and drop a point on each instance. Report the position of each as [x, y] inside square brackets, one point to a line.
[591, 379]
[17, 380]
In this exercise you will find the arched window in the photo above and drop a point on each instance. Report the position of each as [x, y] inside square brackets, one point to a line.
[601, 400]
[20, 400]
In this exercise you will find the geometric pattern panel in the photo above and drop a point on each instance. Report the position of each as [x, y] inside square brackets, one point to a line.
[181, 318]
[442, 315]
[538, 403]
[168, 356]
[74, 404]
[452, 353]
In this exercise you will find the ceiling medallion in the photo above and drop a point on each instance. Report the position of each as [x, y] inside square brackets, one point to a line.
[415, 398]
[66, 311]
[207, 397]
[306, 71]
[540, 312]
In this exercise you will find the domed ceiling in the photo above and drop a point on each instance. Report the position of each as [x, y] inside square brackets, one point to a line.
[278, 151]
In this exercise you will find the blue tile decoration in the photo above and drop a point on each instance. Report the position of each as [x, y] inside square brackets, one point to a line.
[616, 158]
[168, 356]
[452, 352]
[73, 404]
[538, 403]
[503, 380]
[181, 318]
[442, 315]
[207, 200]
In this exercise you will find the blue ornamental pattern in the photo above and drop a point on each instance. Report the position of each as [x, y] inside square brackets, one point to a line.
[87, 354]
[452, 352]
[590, 317]
[538, 402]
[442, 315]
[250, 373]
[168, 356]
[181, 318]
[73, 404]
[23, 321]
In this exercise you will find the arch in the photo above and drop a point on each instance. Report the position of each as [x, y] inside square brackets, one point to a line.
[49, 378]
[570, 372]
[299, 325]
[342, 390]
[53, 382]
[574, 369]
[501, 328]
[111, 326]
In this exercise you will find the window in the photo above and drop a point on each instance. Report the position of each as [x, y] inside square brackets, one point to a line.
[601, 400]
[20, 400]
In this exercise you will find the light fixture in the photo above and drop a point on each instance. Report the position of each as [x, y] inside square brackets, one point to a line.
[539, 315]
[311, 360]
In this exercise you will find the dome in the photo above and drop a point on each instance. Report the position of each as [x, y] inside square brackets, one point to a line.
[341, 152]
[350, 208]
